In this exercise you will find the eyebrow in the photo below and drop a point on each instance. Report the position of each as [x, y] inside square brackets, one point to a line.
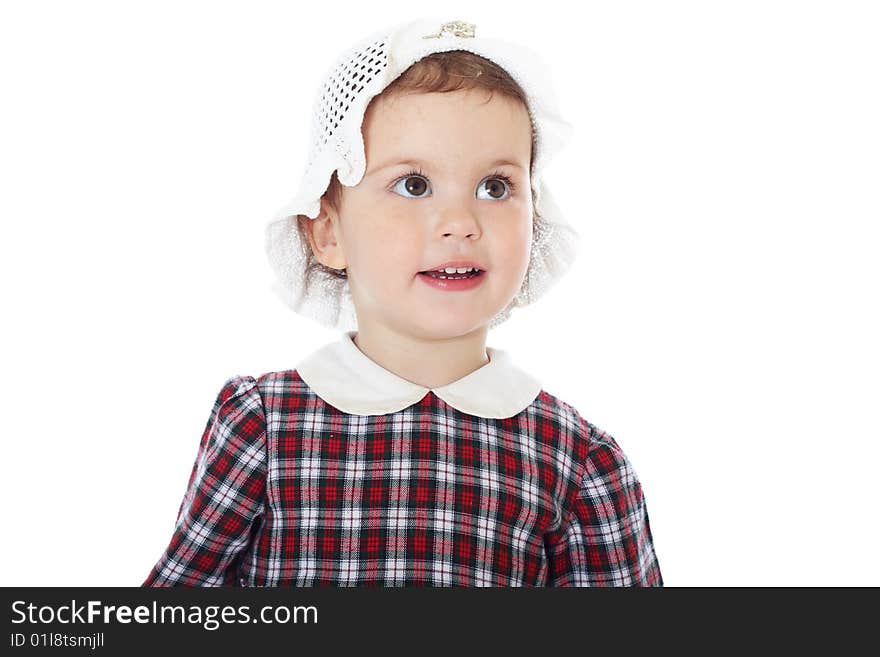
[393, 162]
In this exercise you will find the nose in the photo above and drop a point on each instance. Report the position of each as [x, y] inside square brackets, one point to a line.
[459, 219]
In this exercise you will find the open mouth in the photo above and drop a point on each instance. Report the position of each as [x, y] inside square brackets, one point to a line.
[455, 276]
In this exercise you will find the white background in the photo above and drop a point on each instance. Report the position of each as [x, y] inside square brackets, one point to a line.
[721, 322]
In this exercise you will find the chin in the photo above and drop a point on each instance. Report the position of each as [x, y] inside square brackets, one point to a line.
[444, 328]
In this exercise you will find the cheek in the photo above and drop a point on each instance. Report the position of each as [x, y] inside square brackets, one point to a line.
[515, 238]
[386, 252]
[401, 235]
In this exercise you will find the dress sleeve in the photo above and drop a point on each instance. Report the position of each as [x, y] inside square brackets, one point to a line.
[224, 496]
[605, 537]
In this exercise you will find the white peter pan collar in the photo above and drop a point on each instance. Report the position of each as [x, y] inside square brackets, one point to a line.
[345, 377]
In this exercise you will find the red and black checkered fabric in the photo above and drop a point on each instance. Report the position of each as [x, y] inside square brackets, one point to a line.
[287, 490]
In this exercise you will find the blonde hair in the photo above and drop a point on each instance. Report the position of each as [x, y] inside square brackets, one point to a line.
[439, 72]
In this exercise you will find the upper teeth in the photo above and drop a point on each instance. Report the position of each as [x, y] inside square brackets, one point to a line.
[457, 270]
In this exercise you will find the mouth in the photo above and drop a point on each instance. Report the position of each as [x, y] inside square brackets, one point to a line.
[444, 274]
[469, 278]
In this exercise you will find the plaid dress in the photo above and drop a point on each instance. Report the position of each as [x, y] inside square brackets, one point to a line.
[289, 490]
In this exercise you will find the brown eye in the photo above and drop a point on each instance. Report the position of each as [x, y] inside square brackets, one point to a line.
[415, 185]
[496, 187]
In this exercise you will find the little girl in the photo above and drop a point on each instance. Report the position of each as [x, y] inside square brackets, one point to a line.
[407, 452]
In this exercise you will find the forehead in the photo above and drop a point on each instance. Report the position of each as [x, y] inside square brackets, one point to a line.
[443, 126]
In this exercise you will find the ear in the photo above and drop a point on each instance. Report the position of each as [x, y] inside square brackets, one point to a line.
[323, 233]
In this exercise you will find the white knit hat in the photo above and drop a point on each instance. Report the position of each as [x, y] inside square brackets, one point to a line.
[337, 145]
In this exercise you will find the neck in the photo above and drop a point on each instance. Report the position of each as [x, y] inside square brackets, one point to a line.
[428, 362]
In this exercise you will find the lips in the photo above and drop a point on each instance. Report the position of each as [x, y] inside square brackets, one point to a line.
[453, 282]
[455, 264]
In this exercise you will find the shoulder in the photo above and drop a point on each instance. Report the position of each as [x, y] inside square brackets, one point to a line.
[564, 437]
[278, 391]
[240, 392]
[593, 449]
[236, 428]
[607, 468]
[564, 423]
[277, 386]
[237, 386]
[268, 393]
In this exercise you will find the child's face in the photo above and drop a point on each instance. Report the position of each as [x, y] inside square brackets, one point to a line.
[393, 225]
